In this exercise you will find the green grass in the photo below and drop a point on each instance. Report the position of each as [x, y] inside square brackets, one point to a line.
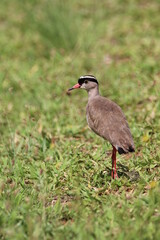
[55, 174]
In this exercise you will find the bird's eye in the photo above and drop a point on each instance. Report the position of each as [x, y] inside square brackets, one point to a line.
[85, 81]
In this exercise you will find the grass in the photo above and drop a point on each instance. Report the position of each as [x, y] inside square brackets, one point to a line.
[55, 174]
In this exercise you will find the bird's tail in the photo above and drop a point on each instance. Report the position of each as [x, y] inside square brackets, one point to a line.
[122, 150]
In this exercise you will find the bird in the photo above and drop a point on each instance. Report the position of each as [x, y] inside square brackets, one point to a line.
[106, 119]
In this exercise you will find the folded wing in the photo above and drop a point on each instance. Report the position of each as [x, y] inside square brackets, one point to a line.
[107, 120]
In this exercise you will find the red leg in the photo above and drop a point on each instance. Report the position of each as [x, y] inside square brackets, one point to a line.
[114, 172]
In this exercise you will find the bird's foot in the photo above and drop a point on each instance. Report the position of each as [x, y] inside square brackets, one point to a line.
[114, 174]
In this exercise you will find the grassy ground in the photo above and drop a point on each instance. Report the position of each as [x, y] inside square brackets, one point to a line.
[55, 174]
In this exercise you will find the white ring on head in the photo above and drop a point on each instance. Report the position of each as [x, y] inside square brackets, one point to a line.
[87, 76]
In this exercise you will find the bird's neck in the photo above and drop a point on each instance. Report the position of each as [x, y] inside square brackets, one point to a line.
[93, 93]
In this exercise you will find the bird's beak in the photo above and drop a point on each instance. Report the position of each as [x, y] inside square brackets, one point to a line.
[74, 87]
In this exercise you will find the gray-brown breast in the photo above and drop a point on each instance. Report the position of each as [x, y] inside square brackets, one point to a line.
[107, 120]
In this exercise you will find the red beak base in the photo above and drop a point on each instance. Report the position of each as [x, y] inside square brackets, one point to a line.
[75, 86]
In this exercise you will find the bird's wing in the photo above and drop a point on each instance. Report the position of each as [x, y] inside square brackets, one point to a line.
[107, 120]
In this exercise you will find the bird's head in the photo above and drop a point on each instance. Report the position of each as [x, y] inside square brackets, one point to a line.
[86, 82]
